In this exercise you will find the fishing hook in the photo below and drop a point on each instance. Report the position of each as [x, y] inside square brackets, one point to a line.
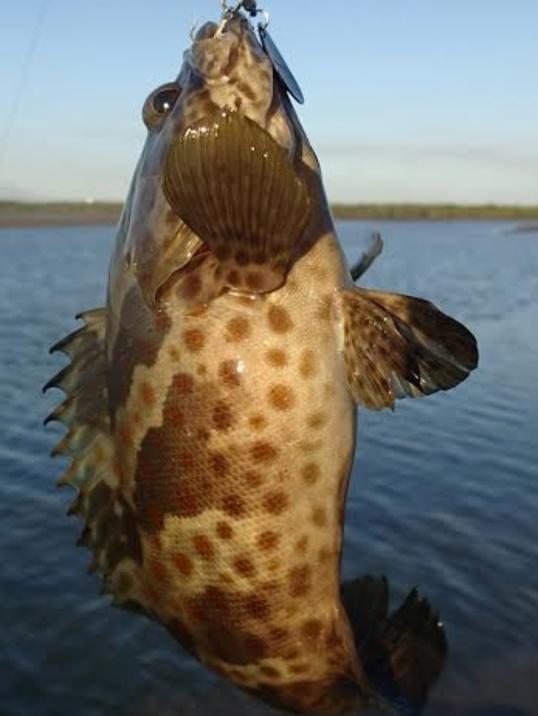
[249, 6]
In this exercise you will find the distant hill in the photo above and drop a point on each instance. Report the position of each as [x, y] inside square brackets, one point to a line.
[17, 213]
[432, 212]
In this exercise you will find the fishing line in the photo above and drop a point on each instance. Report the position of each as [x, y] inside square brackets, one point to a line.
[23, 79]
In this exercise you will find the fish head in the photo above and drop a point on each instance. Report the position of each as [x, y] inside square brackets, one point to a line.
[239, 170]
[225, 176]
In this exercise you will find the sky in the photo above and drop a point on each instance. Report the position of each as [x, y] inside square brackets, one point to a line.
[406, 100]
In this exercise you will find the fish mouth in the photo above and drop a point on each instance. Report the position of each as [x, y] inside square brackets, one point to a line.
[215, 49]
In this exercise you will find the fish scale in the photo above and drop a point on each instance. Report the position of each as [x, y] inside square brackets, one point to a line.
[258, 447]
[211, 406]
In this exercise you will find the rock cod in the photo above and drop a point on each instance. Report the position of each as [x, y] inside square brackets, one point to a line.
[211, 406]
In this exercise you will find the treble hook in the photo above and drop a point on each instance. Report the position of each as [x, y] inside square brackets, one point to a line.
[249, 6]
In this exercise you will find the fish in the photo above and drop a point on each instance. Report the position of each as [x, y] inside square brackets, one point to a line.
[211, 404]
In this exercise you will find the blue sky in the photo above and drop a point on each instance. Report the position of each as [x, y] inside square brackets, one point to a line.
[406, 100]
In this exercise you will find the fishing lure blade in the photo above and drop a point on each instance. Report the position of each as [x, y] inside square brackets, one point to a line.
[280, 65]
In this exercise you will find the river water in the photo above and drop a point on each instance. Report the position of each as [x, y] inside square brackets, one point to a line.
[444, 491]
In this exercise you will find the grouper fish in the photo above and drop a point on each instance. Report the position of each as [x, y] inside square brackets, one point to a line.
[211, 405]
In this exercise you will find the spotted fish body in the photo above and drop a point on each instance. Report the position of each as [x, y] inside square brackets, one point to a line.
[211, 406]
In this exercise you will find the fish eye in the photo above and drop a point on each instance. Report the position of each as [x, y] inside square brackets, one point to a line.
[164, 100]
[159, 103]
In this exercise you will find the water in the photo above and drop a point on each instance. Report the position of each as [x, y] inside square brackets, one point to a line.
[444, 491]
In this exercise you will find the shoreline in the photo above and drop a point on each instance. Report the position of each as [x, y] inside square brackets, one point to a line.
[21, 215]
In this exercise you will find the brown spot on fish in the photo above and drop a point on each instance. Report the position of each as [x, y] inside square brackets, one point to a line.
[223, 418]
[219, 464]
[255, 280]
[174, 354]
[234, 505]
[263, 452]
[194, 340]
[279, 319]
[159, 571]
[316, 420]
[234, 278]
[183, 564]
[275, 502]
[182, 385]
[302, 544]
[203, 546]
[319, 516]
[311, 473]
[281, 397]
[268, 540]
[230, 374]
[244, 566]
[326, 555]
[237, 329]
[276, 357]
[307, 365]
[225, 530]
[258, 422]
[201, 369]
[300, 581]
[311, 629]
[257, 607]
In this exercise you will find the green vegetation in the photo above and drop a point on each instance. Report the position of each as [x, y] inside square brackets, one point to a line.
[13, 213]
[64, 207]
[434, 212]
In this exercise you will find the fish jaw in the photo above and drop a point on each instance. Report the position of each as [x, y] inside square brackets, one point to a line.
[228, 68]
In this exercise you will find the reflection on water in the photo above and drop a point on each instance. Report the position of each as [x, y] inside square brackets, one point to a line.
[444, 491]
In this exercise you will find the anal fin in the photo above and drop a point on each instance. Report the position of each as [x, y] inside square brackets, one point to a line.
[403, 654]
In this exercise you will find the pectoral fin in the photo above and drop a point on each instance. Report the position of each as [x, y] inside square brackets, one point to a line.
[399, 346]
[238, 190]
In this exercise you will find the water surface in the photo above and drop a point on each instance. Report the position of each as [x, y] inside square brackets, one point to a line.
[444, 491]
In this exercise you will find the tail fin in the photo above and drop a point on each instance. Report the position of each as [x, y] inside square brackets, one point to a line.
[403, 654]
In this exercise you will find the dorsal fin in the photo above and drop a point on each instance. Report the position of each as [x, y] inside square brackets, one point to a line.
[110, 530]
